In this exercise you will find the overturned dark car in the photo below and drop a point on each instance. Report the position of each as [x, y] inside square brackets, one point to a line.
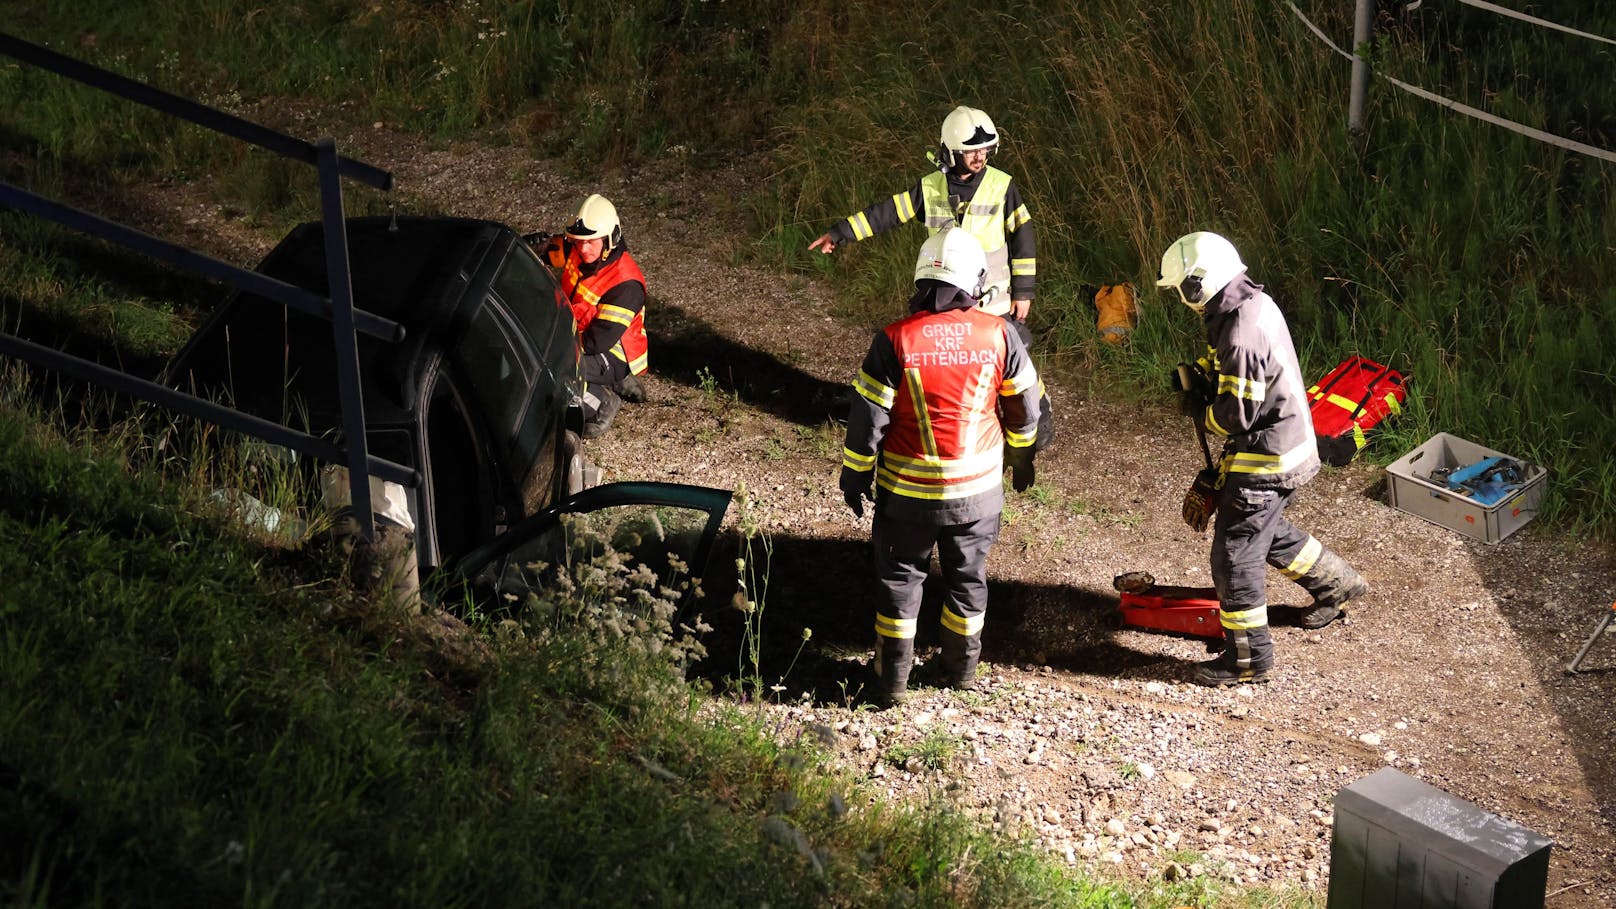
[477, 397]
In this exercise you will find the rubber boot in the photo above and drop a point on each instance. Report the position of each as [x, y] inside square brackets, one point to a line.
[1332, 582]
[1248, 652]
[894, 657]
[959, 659]
[605, 406]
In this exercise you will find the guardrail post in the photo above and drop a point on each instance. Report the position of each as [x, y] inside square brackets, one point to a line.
[343, 336]
[1362, 33]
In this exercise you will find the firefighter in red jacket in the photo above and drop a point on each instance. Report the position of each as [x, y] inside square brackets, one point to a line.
[1254, 396]
[607, 291]
[944, 398]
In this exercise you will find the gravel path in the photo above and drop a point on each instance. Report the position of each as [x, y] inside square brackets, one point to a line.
[1085, 735]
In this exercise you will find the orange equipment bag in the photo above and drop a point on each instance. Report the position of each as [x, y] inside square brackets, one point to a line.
[1117, 311]
[1352, 399]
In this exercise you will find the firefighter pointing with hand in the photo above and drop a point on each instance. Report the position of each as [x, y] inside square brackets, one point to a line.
[968, 193]
[945, 397]
[1255, 397]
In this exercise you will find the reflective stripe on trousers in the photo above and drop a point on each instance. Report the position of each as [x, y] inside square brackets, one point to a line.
[1250, 533]
[903, 555]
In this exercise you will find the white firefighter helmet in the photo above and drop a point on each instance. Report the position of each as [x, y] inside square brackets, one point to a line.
[597, 217]
[955, 257]
[965, 129]
[1199, 266]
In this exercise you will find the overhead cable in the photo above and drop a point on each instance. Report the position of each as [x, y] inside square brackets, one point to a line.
[1467, 110]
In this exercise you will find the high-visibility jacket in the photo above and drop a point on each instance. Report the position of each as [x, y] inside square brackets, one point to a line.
[983, 216]
[589, 291]
[995, 214]
[940, 394]
[1261, 405]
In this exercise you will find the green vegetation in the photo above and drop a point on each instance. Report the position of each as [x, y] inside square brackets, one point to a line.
[198, 718]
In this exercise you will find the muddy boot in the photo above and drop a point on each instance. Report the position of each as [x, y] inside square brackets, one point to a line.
[1332, 582]
[894, 657]
[1248, 652]
[600, 407]
[959, 659]
[631, 390]
[1219, 674]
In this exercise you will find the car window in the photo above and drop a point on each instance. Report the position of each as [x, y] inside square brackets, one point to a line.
[531, 293]
[500, 369]
[662, 532]
[654, 545]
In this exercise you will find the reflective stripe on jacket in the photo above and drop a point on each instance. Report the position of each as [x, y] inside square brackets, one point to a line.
[585, 291]
[940, 394]
[1261, 405]
[984, 217]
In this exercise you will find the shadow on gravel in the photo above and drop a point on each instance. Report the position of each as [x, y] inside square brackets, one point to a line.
[687, 350]
[1552, 618]
[829, 587]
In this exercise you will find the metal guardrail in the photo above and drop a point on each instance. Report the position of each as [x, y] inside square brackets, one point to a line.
[338, 308]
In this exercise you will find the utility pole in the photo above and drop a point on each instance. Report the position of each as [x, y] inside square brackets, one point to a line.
[1362, 30]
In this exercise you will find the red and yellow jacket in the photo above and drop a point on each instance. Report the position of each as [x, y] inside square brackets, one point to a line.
[608, 302]
[941, 394]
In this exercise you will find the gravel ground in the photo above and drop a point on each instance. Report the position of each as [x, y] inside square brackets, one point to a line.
[1085, 735]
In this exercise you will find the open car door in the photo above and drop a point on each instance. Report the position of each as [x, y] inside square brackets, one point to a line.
[669, 528]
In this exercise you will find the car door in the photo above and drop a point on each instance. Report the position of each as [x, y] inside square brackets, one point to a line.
[666, 528]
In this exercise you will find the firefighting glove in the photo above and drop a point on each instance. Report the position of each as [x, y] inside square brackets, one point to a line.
[1195, 389]
[1201, 500]
[1022, 472]
[856, 489]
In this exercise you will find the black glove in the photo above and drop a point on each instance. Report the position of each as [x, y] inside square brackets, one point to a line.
[1022, 473]
[1195, 389]
[1201, 500]
[856, 489]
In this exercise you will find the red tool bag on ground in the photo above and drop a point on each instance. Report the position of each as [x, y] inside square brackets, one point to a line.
[1352, 399]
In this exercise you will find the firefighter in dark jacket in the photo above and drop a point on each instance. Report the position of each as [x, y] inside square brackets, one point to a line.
[944, 397]
[1252, 393]
[966, 192]
[606, 289]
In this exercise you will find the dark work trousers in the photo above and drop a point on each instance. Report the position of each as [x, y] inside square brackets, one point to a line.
[600, 370]
[1250, 533]
[1046, 414]
[902, 556]
[604, 369]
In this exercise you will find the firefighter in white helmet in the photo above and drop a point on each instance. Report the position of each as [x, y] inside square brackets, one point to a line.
[1251, 392]
[606, 290]
[945, 397]
[966, 192]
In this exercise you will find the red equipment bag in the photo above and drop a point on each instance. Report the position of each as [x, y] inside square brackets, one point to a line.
[1191, 611]
[1353, 398]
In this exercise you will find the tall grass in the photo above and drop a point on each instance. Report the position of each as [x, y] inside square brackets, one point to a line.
[1475, 260]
